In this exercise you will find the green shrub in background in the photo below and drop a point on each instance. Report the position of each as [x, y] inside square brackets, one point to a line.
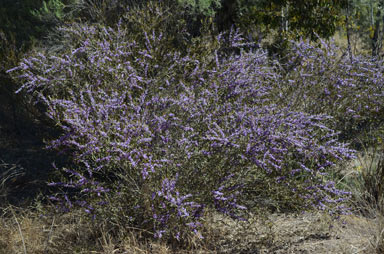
[52, 11]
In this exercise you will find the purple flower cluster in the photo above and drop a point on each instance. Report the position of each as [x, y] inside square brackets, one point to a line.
[168, 205]
[159, 135]
[323, 79]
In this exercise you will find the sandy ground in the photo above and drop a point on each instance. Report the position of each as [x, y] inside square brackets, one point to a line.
[304, 233]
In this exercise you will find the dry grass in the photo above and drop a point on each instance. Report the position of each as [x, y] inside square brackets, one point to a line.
[305, 233]
[26, 231]
[357, 44]
[8, 174]
[30, 231]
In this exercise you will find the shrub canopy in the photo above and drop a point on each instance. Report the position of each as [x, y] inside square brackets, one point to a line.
[159, 135]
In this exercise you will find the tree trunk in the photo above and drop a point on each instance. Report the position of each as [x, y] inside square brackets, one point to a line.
[376, 41]
[348, 33]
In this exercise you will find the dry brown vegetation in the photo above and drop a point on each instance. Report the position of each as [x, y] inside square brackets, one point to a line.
[27, 231]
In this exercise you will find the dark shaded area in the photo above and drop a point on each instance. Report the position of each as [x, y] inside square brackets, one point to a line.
[25, 164]
[17, 21]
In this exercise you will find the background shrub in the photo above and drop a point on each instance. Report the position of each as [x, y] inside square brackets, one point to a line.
[321, 79]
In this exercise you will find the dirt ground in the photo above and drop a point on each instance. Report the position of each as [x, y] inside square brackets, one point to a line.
[304, 233]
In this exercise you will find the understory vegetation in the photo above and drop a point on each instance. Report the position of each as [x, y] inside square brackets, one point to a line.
[166, 134]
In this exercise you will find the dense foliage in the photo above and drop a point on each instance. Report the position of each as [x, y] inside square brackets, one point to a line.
[160, 133]
[323, 80]
[293, 18]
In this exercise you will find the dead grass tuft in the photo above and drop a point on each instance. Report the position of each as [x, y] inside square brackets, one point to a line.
[272, 233]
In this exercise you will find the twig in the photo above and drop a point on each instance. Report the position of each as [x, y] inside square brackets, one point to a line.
[20, 232]
[49, 235]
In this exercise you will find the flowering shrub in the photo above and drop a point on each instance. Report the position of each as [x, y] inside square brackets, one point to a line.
[158, 136]
[322, 80]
